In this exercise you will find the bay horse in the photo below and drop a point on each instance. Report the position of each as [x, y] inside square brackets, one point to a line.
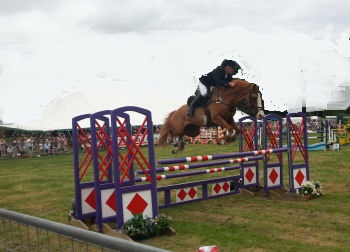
[219, 112]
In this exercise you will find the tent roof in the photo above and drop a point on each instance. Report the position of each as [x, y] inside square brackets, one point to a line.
[59, 113]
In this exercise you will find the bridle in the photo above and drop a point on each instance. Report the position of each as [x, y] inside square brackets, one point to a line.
[257, 108]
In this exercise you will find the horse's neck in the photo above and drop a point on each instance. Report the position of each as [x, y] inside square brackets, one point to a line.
[234, 95]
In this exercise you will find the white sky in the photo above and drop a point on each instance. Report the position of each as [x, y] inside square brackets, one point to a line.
[156, 48]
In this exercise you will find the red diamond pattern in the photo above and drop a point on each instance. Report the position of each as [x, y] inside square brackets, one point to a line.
[182, 194]
[273, 175]
[249, 175]
[137, 205]
[192, 192]
[111, 202]
[299, 177]
[90, 199]
[217, 188]
[226, 186]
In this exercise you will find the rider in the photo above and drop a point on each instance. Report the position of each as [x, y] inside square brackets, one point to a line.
[220, 76]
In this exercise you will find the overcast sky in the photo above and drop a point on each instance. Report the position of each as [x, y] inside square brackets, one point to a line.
[49, 47]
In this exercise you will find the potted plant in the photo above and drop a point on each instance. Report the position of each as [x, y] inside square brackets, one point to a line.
[310, 190]
[140, 227]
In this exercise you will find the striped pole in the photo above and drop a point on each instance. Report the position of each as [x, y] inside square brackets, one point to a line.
[200, 165]
[219, 156]
[186, 174]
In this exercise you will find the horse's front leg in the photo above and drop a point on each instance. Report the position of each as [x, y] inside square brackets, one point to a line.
[236, 128]
[175, 145]
[232, 128]
[181, 143]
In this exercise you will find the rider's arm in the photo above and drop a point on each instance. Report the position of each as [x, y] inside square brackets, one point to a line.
[219, 78]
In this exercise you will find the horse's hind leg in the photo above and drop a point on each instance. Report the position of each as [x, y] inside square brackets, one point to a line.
[179, 144]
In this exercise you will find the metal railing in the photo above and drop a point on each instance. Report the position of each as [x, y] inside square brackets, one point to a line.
[20, 232]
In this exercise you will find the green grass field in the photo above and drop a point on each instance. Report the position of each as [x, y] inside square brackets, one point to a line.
[44, 187]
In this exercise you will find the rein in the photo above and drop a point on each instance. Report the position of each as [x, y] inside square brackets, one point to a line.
[219, 100]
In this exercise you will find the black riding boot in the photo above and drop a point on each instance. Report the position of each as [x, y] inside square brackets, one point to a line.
[197, 98]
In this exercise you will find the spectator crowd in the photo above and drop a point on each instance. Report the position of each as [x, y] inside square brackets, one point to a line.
[30, 146]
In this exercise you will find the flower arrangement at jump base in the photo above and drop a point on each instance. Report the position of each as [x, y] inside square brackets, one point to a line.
[310, 189]
[139, 228]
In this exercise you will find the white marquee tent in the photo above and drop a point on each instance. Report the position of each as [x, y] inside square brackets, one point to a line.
[293, 70]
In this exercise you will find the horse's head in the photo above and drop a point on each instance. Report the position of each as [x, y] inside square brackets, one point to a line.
[256, 102]
[251, 101]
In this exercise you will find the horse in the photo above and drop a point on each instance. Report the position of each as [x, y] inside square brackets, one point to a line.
[219, 111]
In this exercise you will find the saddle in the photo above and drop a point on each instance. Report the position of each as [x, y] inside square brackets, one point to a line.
[203, 103]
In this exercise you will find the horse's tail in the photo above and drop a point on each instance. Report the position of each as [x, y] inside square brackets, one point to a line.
[165, 130]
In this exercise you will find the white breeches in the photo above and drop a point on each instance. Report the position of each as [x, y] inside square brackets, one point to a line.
[202, 89]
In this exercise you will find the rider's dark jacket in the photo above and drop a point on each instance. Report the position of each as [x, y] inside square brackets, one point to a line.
[216, 78]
